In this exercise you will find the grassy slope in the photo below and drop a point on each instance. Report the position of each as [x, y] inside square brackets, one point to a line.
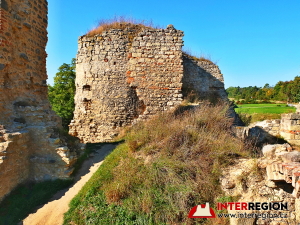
[26, 197]
[165, 167]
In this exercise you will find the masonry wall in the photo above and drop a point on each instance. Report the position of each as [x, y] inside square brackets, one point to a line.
[290, 127]
[204, 78]
[30, 144]
[124, 75]
[270, 126]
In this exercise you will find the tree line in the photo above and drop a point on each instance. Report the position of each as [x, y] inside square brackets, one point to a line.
[61, 94]
[288, 91]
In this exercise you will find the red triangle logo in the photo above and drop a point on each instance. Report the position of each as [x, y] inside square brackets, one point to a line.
[202, 211]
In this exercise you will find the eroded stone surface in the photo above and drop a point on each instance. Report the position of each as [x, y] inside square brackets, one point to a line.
[253, 186]
[267, 179]
[29, 129]
[290, 127]
[267, 131]
[123, 76]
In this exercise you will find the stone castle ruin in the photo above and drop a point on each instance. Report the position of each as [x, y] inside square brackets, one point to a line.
[124, 75]
[30, 145]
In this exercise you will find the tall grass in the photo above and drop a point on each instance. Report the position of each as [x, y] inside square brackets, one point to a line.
[166, 166]
[197, 57]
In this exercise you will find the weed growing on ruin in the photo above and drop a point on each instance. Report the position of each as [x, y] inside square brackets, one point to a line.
[245, 118]
[166, 166]
[121, 22]
[197, 57]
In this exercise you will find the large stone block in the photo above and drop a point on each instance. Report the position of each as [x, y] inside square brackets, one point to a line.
[294, 142]
[269, 151]
[295, 127]
[274, 173]
[294, 116]
[293, 156]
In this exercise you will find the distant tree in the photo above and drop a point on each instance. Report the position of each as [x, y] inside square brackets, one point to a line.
[61, 94]
[279, 91]
[283, 91]
[231, 91]
[295, 89]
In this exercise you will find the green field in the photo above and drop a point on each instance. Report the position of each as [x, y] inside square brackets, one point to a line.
[264, 108]
[257, 112]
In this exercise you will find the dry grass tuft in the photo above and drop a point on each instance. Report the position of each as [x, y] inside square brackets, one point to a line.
[166, 166]
[201, 57]
[121, 22]
[185, 153]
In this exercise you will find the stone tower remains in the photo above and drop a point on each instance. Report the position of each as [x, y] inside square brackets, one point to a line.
[123, 75]
[30, 144]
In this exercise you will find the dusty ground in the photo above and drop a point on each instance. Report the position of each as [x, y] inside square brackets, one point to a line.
[52, 213]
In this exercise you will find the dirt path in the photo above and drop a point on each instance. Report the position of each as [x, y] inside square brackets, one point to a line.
[52, 213]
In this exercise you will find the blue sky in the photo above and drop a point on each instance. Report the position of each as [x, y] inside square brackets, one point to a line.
[254, 42]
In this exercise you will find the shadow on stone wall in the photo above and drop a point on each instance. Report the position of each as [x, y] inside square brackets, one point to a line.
[257, 136]
[202, 78]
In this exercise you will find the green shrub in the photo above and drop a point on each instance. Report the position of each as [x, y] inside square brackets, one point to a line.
[246, 118]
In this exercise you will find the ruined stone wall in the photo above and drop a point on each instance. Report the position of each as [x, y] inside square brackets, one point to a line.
[290, 127]
[204, 78]
[23, 56]
[123, 75]
[270, 126]
[126, 75]
[30, 144]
